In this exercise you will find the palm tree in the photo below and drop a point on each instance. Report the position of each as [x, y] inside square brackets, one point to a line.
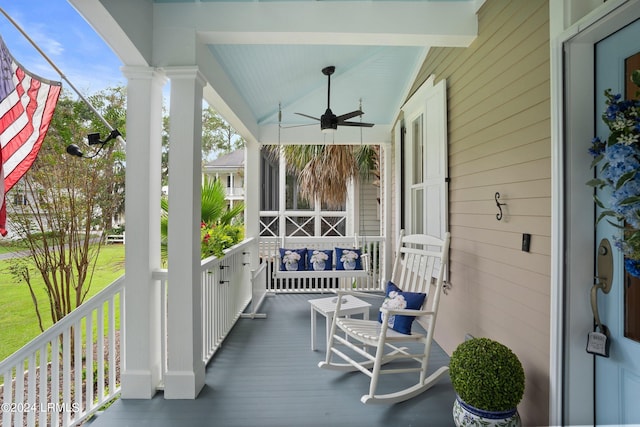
[324, 171]
[214, 211]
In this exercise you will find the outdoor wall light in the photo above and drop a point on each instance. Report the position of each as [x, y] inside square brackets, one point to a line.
[92, 139]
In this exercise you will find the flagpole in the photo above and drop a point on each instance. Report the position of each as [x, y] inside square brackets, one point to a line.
[55, 67]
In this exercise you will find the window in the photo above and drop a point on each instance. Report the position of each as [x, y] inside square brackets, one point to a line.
[20, 199]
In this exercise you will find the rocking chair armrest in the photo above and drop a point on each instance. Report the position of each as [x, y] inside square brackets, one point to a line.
[407, 312]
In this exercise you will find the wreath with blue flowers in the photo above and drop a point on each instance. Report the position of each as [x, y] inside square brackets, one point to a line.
[618, 158]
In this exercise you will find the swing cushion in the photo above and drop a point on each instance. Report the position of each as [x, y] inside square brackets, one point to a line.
[293, 259]
[348, 259]
[325, 255]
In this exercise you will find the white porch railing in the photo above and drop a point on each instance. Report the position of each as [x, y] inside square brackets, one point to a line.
[44, 383]
[225, 292]
[374, 246]
[303, 223]
[235, 191]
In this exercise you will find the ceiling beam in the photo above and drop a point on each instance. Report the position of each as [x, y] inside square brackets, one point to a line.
[397, 23]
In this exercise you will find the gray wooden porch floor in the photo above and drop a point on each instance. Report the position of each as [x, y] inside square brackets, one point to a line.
[266, 375]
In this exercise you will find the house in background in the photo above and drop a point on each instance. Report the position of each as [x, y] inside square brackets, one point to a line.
[471, 99]
[283, 212]
[229, 169]
[361, 212]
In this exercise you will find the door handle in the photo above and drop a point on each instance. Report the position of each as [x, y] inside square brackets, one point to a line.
[594, 303]
[604, 279]
[598, 342]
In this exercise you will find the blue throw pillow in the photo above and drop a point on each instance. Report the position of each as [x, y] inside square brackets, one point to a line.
[348, 259]
[293, 259]
[401, 300]
[319, 259]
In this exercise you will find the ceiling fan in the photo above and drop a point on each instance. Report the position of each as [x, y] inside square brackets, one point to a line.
[329, 122]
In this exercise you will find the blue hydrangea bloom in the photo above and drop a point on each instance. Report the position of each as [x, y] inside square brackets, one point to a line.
[621, 159]
[632, 266]
[628, 211]
[597, 147]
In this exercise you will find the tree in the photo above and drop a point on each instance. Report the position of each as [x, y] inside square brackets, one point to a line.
[324, 171]
[111, 103]
[218, 137]
[67, 199]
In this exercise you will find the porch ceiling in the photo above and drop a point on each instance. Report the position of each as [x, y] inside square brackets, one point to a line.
[259, 55]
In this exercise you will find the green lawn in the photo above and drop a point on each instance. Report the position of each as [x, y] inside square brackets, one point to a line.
[18, 321]
[7, 246]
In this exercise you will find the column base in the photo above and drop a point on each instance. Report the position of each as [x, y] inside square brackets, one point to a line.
[137, 385]
[184, 384]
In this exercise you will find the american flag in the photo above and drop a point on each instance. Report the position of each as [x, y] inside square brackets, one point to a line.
[27, 103]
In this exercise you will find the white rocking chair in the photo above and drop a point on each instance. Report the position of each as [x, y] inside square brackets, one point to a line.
[419, 266]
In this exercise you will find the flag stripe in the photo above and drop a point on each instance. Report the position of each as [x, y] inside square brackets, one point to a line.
[21, 150]
[27, 103]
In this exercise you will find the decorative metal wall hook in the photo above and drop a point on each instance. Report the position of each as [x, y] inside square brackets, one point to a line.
[500, 205]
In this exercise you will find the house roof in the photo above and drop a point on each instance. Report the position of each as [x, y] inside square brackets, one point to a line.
[230, 161]
[264, 57]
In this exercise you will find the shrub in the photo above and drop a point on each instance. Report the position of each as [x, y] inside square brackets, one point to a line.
[487, 375]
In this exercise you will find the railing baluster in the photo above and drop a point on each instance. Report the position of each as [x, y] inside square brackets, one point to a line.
[163, 326]
[77, 366]
[55, 377]
[100, 351]
[66, 372]
[7, 395]
[110, 346]
[19, 396]
[31, 389]
[88, 383]
[44, 385]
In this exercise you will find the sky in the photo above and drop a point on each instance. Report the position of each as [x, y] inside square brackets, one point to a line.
[66, 38]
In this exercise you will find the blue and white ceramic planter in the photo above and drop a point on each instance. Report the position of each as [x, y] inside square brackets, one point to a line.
[466, 415]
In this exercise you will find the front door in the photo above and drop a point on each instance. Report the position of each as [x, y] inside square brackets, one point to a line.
[617, 378]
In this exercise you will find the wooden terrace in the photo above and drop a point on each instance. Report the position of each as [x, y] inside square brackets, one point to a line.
[266, 374]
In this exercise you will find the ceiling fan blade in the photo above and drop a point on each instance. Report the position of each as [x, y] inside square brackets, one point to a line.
[308, 116]
[359, 124]
[299, 126]
[349, 115]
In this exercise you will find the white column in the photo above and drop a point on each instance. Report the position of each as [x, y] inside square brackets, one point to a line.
[142, 363]
[387, 198]
[252, 189]
[350, 207]
[186, 370]
[282, 201]
[356, 190]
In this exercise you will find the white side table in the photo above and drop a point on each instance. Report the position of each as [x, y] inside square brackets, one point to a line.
[326, 307]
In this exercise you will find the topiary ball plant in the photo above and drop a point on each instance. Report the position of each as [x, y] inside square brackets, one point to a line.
[487, 375]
